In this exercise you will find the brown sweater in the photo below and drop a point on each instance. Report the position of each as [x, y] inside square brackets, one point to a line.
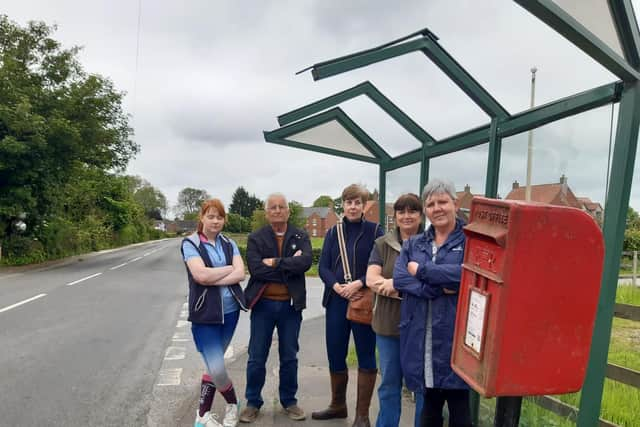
[277, 291]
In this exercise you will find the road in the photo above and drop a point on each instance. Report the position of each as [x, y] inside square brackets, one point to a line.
[84, 342]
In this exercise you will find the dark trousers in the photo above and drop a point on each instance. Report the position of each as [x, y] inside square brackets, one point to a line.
[338, 329]
[266, 316]
[457, 403]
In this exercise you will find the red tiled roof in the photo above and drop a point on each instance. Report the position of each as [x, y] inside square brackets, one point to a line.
[463, 200]
[552, 194]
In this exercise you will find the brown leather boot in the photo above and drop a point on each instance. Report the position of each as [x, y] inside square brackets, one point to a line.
[338, 406]
[366, 384]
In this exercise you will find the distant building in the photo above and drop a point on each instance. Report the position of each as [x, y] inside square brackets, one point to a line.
[559, 194]
[592, 208]
[372, 213]
[319, 220]
[463, 202]
[180, 227]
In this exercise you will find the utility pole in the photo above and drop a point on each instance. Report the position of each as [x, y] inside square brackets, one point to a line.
[527, 191]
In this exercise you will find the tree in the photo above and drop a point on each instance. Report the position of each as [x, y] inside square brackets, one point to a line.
[244, 204]
[323, 202]
[337, 205]
[258, 220]
[632, 232]
[633, 219]
[236, 224]
[56, 123]
[190, 200]
[296, 214]
[153, 202]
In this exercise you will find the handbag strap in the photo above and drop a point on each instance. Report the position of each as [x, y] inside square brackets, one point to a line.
[343, 251]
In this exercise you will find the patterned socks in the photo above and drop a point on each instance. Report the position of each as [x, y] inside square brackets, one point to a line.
[207, 392]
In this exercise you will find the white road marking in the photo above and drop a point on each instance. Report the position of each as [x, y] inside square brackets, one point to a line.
[18, 304]
[182, 324]
[147, 254]
[181, 337]
[136, 259]
[118, 266]
[170, 376]
[175, 353]
[83, 279]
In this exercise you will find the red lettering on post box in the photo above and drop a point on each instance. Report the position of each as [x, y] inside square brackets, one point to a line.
[528, 298]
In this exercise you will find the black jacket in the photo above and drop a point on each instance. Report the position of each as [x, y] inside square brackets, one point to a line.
[359, 238]
[288, 269]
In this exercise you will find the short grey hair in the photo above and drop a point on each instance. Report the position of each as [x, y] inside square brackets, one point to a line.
[439, 186]
[273, 196]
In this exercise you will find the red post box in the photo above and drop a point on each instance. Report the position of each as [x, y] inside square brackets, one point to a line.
[528, 298]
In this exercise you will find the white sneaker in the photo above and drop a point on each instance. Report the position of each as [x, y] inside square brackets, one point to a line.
[207, 420]
[230, 415]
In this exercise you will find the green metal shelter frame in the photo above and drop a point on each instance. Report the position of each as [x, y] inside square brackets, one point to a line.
[503, 124]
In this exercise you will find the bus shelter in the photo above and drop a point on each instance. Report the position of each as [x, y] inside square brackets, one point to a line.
[607, 31]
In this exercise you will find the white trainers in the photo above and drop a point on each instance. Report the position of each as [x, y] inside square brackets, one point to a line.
[230, 415]
[207, 420]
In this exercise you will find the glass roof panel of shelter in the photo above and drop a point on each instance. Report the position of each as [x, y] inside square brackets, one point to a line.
[594, 15]
[331, 135]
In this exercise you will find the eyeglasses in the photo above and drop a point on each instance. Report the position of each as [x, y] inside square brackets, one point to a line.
[277, 207]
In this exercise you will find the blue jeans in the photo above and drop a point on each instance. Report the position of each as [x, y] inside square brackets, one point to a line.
[390, 389]
[265, 316]
[212, 341]
[338, 328]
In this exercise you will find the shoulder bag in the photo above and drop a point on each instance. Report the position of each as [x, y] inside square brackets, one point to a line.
[360, 310]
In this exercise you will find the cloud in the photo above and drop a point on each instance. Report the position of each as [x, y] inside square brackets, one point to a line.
[211, 76]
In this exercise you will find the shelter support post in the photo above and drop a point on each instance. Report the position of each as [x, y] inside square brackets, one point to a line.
[624, 154]
[382, 179]
[493, 165]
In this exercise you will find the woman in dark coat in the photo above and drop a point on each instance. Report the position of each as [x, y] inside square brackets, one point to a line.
[359, 236]
[427, 273]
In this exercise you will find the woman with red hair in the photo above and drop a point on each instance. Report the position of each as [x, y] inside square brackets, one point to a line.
[214, 270]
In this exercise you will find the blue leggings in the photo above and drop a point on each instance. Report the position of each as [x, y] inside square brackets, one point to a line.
[212, 341]
[338, 329]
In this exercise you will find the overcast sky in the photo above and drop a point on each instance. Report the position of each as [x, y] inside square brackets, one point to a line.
[211, 76]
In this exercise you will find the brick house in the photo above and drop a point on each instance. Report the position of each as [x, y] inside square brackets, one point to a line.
[180, 227]
[463, 202]
[559, 194]
[372, 213]
[592, 208]
[319, 220]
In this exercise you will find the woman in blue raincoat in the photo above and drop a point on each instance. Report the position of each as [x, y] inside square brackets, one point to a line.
[427, 273]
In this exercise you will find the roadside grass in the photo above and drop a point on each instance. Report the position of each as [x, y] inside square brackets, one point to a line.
[628, 294]
[620, 402]
[239, 238]
[352, 357]
[316, 242]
